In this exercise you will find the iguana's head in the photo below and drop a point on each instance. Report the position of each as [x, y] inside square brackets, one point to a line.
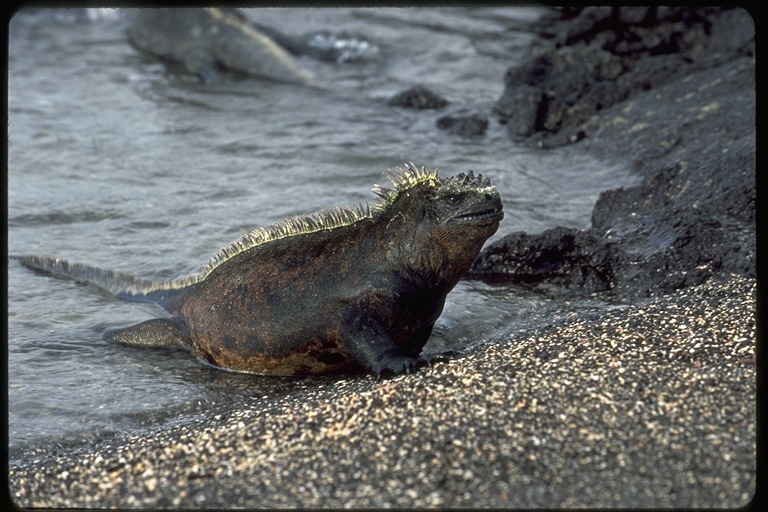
[464, 206]
[443, 223]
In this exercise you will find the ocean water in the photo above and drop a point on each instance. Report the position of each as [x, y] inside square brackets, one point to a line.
[117, 162]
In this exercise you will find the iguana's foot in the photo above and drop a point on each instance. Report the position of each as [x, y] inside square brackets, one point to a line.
[397, 365]
[438, 357]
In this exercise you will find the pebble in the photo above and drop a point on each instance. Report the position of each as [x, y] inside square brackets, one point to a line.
[648, 405]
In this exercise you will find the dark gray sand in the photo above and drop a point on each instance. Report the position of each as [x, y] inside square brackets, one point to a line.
[651, 405]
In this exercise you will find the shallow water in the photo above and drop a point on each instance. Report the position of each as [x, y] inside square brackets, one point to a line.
[115, 162]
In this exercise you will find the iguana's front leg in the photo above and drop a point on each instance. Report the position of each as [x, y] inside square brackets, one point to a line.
[364, 332]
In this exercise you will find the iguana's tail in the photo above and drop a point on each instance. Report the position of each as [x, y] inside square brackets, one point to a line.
[124, 286]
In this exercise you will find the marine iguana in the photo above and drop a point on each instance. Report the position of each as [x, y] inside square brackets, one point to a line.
[204, 41]
[337, 290]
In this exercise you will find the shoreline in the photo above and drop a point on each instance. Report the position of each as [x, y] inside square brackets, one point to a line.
[650, 405]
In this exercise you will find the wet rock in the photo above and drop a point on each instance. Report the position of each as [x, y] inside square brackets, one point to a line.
[539, 99]
[418, 97]
[603, 55]
[637, 246]
[465, 126]
[685, 121]
[573, 259]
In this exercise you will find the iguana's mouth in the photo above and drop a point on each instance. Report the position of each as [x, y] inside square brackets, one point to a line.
[492, 214]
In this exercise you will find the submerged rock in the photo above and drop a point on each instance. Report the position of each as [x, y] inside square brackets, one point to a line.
[418, 97]
[466, 126]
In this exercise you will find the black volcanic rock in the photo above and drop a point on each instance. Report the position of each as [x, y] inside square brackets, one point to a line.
[418, 97]
[679, 107]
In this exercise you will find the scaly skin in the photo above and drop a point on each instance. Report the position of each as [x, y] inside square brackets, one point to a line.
[361, 290]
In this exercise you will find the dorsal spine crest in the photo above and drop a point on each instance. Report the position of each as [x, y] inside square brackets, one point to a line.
[304, 224]
[403, 179]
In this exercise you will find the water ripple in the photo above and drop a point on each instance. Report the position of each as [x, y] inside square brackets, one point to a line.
[58, 218]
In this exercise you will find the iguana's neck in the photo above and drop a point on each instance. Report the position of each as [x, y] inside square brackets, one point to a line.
[413, 248]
